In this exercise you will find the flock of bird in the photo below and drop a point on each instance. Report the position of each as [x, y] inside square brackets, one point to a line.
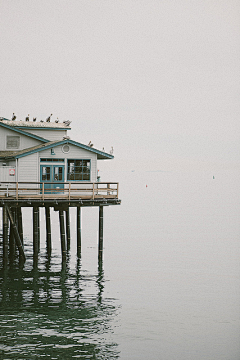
[48, 119]
[66, 122]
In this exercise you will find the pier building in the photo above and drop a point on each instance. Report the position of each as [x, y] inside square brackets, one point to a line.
[40, 166]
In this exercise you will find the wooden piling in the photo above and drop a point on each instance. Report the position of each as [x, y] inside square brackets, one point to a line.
[67, 218]
[20, 224]
[62, 234]
[12, 244]
[16, 235]
[35, 233]
[100, 233]
[5, 235]
[78, 231]
[38, 226]
[48, 230]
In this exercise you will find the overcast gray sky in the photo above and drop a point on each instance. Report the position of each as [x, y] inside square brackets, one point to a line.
[157, 80]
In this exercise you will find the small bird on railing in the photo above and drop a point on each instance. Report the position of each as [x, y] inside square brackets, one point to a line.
[34, 119]
[14, 117]
[27, 118]
[90, 144]
[48, 118]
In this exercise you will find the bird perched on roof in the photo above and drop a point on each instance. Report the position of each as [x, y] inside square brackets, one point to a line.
[67, 122]
[34, 119]
[27, 118]
[90, 144]
[103, 149]
[111, 151]
[41, 121]
[57, 121]
[14, 116]
[66, 137]
[49, 118]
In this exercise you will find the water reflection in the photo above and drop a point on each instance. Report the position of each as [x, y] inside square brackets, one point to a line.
[55, 313]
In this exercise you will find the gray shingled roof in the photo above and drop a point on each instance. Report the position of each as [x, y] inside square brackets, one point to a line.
[49, 144]
[34, 124]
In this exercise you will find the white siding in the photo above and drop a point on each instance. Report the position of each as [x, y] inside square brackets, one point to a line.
[51, 135]
[74, 153]
[6, 173]
[28, 168]
[25, 141]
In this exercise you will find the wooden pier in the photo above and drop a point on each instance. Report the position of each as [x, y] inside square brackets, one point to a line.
[16, 195]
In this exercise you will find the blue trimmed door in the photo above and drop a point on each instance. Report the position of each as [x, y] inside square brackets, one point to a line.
[52, 176]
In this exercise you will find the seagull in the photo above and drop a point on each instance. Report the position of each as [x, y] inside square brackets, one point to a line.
[14, 117]
[67, 122]
[90, 144]
[34, 119]
[27, 118]
[49, 118]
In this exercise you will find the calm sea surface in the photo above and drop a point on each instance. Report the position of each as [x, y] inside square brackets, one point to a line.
[168, 287]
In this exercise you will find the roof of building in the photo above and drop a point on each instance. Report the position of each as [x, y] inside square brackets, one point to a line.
[22, 124]
[49, 145]
[18, 130]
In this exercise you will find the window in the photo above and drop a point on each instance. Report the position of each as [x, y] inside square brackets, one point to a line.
[13, 142]
[79, 170]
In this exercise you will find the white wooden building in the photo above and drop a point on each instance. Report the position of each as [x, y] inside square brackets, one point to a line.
[43, 152]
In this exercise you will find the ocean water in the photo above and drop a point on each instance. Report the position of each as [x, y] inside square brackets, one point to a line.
[168, 287]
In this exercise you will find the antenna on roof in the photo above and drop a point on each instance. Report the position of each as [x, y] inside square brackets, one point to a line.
[14, 116]
[49, 118]
[27, 118]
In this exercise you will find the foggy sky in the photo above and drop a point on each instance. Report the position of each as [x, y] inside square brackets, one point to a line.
[157, 80]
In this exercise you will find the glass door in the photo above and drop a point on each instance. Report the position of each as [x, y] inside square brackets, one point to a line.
[52, 176]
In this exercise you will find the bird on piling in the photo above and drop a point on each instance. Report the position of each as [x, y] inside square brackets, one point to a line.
[48, 118]
[14, 117]
[27, 118]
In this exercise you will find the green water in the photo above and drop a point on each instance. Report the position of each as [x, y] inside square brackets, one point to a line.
[55, 314]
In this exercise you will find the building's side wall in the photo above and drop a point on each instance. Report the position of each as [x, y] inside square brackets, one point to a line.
[28, 168]
[74, 153]
[7, 173]
[50, 135]
[25, 141]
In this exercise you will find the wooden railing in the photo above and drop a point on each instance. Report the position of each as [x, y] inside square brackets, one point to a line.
[60, 190]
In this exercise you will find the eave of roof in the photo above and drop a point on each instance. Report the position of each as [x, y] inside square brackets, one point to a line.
[22, 132]
[51, 144]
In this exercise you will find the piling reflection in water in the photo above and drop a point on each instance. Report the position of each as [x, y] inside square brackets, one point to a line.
[55, 314]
